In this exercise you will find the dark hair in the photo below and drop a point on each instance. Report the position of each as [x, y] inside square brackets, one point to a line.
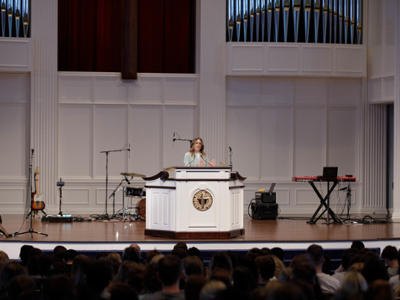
[10, 270]
[23, 254]
[180, 252]
[278, 252]
[59, 251]
[243, 279]
[347, 256]
[131, 254]
[192, 265]
[152, 282]
[121, 290]
[315, 254]
[59, 287]
[194, 284]
[358, 245]
[99, 274]
[150, 254]
[20, 284]
[169, 269]
[305, 271]
[220, 260]
[266, 266]
[374, 269]
[389, 252]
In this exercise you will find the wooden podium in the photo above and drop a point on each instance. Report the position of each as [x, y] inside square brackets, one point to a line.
[200, 202]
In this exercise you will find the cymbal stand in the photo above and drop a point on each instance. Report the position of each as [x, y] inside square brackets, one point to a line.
[123, 200]
[105, 216]
[31, 231]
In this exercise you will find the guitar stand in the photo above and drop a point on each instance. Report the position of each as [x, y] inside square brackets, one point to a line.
[31, 231]
[324, 202]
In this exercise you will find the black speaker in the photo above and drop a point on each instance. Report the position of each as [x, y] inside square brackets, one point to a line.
[265, 197]
[264, 211]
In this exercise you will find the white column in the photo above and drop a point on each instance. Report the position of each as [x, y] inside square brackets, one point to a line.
[211, 67]
[396, 169]
[44, 96]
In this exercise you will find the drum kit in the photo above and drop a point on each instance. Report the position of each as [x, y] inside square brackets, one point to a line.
[137, 193]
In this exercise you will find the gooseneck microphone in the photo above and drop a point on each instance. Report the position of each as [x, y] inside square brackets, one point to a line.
[188, 164]
[207, 163]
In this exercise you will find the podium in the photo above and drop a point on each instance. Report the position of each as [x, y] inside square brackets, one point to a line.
[199, 203]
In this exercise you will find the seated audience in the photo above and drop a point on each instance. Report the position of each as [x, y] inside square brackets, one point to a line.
[328, 284]
[389, 255]
[346, 258]
[120, 291]
[212, 290]
[193, 287]
[170, 272]
[266, 268]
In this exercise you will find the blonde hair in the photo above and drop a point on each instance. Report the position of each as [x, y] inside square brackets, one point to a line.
[191, 150]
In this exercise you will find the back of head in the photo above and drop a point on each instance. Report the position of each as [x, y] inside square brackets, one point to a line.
[374, 269]
[358, 245]
[24, 254]
[11, 270]
[243, 279]
[180, 252]
[59, 251]
[315, 254]
[284, 291]
[69, 256]
[278, 252]
[222, 275]
[59, 287]
[354, 283]
[131, 254]
[220, 260]
[266, 266]
[20, 284]
[3, 259]
[193, 251]
[390, 253]
[193, 287]
[305, 271]
[212, 290]
[347, 255]
[182, 245]
[121, 290]
[99, 275]
[192, 265]
[169, 269]
[379, 290]
[152, 282]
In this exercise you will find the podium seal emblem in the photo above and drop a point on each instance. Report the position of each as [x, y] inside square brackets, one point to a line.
[202, 200]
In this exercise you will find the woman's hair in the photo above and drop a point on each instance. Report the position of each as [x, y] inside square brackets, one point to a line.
[191, 150]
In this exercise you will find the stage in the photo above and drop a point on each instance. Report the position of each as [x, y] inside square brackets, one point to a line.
[285, 232]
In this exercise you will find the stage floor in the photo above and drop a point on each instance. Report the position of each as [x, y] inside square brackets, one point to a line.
[288, 233]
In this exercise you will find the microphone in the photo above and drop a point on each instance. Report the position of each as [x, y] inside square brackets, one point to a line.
[33, 150]
[188, 164]
[127, 180]
[230, 149]
[129, 149]
[207, 163]
[173, 139]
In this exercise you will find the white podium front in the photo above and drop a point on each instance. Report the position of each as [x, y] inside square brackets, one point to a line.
[198, 203]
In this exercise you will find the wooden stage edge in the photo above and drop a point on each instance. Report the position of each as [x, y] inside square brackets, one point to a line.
[285, 232]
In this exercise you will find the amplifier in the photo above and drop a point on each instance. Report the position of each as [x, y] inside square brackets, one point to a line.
[265, 197]
[264, 211]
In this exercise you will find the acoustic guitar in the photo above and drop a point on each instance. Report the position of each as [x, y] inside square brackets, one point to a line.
[37, 202]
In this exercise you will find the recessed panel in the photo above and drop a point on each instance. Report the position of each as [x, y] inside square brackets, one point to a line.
[310, 141]
[75, 89]
[75, 151]
[243, 91]
[12, 196]
[75, 197]
[343, 140]
[345, 92]
[180, 90]
[277, 91]
[15, 53]
[110, 89]
[375, 90]
[249, 57]
[146, 90]
[311, 92]
[182, 121]
[14, 137]
[317, 59]
[388, 88]
[276, 143]
[145, 137]
[307, 196]
[350, 59]
[110, 133]
[14, 87]
[244, 139]
[283, 58]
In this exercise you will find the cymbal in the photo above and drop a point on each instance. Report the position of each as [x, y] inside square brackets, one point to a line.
[133, 174]
[170, 169]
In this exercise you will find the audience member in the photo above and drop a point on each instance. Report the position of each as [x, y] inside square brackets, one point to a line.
[169, 271]
[22, 286]
[132, 254]
[150, 254]
[266, 268]
[152, 282]
[244, 280]
[99, 276]
[24, 254]
[59, 287]
[328, 284]
[122, 291]
[221, 275]
[379, 290]
[279, 253]
[374, 269]
[3, 259]
[389, 255]
[212, 290]
[192, 265]
[346, 258]
[59, 251]
[194, 284]
[357, 245]
[220, 260]
[354, 285]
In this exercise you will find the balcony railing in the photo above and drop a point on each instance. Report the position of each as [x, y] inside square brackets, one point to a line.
[309, 21]
[15, 18]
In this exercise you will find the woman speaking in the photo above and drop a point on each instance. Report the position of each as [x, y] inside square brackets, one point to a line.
[196, 157]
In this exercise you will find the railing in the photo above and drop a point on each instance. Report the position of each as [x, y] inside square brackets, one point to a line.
[310, 21]
[15, 18]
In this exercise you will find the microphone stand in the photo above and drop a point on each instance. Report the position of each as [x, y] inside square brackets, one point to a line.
[230, 157]
[105, 216]
[179, 139]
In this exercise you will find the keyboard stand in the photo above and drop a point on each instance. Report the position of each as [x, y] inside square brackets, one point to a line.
[324, 203]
